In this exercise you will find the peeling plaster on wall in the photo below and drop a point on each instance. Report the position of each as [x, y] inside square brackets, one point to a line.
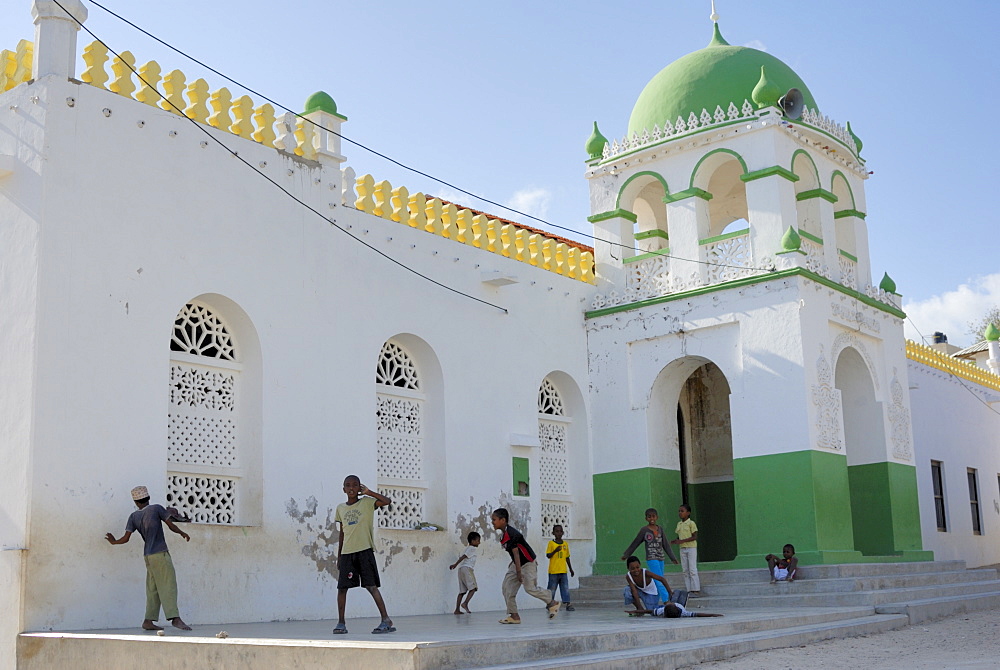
[319, 538]
[481, 521]
[390, 549]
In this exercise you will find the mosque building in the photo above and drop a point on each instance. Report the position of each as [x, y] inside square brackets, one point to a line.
[201, 295]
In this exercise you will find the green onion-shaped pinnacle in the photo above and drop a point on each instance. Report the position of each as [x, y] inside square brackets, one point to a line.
[992, 333]
[765, 93]
[596, 142]
[887, 284]
[791, 240]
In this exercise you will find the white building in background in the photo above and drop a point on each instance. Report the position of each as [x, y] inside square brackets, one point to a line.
[172, 319]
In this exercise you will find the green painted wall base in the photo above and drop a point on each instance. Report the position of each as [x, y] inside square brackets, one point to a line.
[620, 502]
[830, 512]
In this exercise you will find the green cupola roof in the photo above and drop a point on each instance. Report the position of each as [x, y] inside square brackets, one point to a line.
[992, 333]
[714, 76]
[320, 101]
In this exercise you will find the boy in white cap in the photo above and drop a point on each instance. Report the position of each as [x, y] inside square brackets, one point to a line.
[161, 580]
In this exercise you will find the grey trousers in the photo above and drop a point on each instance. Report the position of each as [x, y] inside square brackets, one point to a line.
[511, 585]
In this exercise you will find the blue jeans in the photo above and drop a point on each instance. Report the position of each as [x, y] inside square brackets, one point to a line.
[561, 580]
[649, 600]
[656, 567]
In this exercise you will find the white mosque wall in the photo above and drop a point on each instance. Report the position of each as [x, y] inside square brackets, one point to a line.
[130, 212]
[955, 424]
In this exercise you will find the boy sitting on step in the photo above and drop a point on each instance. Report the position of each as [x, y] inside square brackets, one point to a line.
[783, 569]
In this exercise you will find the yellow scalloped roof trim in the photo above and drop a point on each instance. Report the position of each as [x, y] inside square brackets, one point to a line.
[928, 356]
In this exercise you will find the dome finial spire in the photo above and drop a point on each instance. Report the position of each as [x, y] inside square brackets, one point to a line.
[715, 15]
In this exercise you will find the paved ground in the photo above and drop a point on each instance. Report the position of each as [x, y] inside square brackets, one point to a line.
[962, 642]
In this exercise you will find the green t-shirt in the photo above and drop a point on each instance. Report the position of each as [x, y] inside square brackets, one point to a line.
[356, 522]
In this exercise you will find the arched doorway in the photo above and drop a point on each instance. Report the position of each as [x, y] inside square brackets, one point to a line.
[691, 434]
[864, 443]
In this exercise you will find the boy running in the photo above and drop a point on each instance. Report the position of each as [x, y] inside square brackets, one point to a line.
[522, 571]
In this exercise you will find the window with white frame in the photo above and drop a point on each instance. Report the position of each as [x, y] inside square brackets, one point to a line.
[399, 413]
[203, 456]
[553, 462]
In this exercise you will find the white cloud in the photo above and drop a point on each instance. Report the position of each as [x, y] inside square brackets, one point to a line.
[756, 44]
[534, 201]
[952, 311]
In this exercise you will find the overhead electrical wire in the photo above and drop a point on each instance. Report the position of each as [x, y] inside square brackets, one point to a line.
[291, 195]
[395, 162]
[392, 160]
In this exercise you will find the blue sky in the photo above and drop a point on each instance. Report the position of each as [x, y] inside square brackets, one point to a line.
[499, 98]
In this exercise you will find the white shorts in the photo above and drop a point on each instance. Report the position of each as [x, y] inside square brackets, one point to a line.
[781, 574]
[466, 580]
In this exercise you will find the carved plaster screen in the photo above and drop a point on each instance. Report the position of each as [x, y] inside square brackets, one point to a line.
[553, 429]
[399, 413]
[203, 464]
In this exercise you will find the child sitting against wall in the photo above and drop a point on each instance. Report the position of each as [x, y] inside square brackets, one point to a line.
[783, 569]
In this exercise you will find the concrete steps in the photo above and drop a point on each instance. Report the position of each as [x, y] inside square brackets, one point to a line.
[717, 645]
[944, 585]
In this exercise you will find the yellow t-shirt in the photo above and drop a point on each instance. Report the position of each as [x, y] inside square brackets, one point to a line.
[684, 529]
[557, 564]
[356, 521]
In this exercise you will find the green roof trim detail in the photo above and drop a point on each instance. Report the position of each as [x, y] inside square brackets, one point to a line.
[697, 166]
[648, 254]
[837, 174]
[770, 172]
[887, 284]
[693, 192]
[637, 175]
[724, 236]
[844, 213]
[791, 240]
[847, 255]
[817, 193]
[992, 333]
[808, 156]
[596, 143]
[712, 77]
[750, 281]
[613, 214]
[857, 140]
[655, 232]
[765, 93]
[320, 101]
[809, 236]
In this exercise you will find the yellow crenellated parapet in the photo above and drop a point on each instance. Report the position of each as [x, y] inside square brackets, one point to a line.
[174, 94]
[465, 226]
[931, 357]
[15, 66]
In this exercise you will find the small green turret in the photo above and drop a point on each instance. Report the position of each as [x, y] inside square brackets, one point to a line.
[596, 143]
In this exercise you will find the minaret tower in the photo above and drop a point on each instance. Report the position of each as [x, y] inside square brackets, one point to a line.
[742, 359]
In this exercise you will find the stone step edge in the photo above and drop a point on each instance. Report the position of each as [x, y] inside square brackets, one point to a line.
[726, 646]
[929, 609]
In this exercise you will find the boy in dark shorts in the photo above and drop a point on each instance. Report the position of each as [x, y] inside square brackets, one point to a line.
[522, 571]
[356, 550]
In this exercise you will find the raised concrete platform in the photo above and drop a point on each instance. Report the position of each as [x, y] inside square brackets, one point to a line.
[585, 638]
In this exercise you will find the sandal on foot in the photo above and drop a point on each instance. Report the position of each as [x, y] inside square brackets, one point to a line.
[340, 629]
[384, 627]
[510, 619]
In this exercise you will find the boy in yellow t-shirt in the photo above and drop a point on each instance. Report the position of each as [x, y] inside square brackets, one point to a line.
[557, 552]
[687, 538]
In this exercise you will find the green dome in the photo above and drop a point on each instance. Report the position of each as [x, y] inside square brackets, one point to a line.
[320, 101]
[711, 77]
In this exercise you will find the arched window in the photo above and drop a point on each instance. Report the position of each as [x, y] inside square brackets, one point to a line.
[553, 430]
[399, 412]
[205, 467]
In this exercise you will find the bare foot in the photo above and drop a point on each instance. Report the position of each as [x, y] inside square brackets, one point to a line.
[457, 611]
[466, 607]
[149, 625]
[179, 623]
